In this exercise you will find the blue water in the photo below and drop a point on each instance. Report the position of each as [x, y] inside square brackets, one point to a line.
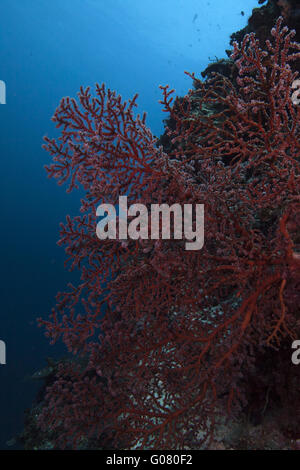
[48, 48]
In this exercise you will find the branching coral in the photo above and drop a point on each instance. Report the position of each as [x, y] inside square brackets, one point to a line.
[182, 330]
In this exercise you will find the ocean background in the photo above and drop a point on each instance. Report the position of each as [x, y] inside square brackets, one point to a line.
[48, 49]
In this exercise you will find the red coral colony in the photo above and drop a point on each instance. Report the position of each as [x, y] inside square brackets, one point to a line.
[170, 342]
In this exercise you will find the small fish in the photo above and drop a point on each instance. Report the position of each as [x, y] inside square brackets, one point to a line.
[11, 442]
[195, 17]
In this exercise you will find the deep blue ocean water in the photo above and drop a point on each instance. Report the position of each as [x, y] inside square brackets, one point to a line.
[48, 49]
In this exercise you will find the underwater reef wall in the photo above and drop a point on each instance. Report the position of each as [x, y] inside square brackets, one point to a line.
[188, 338]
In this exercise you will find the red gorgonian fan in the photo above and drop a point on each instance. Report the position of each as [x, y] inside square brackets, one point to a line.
[182, 330]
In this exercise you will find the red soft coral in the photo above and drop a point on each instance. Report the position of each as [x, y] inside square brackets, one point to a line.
[181, 329]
